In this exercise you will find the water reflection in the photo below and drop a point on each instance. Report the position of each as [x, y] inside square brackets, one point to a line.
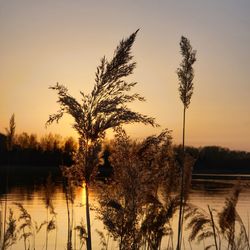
[29, 192]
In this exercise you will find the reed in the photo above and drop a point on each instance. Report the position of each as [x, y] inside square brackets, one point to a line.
[49, 189]
[130, 207]
[103, 240]
[82, 233]
[69, 192]
[104, 108]
[185, 75]
[26, 228]
[228, 229]
[10, 234]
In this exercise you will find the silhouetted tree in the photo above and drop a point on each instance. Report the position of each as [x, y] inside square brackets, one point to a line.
[106, 107]
[185, 75]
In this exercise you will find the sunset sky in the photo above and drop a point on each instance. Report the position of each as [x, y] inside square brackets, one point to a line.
[49, 41]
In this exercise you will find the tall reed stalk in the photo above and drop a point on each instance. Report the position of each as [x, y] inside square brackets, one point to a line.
[213, 226]
[185, 75]
[104, 108]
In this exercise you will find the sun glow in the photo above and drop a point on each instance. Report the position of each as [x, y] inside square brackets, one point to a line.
[83, 194]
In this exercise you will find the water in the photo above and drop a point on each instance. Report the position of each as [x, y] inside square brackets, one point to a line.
[30, 194]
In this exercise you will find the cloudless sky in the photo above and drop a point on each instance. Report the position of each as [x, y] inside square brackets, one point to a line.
[49, 41]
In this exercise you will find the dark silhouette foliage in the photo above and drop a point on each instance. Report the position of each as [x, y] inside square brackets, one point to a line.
[130, 207]
[104, 108]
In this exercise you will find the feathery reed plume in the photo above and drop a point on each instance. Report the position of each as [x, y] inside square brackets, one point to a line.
[157, 221]
[82, 233]
[104, 242]
[228, 217]
[129, 206]
[202, 225]
[229, 227]
[26, 227]
[185, 75]
[104, 108]
[10, 236]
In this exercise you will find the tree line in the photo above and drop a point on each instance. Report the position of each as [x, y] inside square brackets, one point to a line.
[27, 149]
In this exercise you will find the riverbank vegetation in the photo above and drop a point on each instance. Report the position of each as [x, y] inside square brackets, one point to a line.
[28, 150]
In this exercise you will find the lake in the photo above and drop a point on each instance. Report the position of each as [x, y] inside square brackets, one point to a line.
[206, 190]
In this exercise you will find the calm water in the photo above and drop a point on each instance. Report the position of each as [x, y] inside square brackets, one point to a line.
[30, 194]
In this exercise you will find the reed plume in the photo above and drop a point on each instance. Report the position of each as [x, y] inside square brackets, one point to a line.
[10, 235]
[185, 75]
[129, 206]
[104, 108]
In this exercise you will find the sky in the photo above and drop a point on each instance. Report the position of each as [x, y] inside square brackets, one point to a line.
[50, 41]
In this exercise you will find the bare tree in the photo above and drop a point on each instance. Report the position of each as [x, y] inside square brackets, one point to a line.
[105, 107]
[185, 75]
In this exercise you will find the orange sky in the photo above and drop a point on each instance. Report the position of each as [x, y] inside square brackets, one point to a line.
[44, 42]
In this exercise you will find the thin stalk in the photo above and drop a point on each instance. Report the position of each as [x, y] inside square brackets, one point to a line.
[168, 245]
[72, 217]
[89, 245]
[180, 222]
[6, 199]
[107, 242]
[56, 236]
[184, 246]
[5, 219]
[245, 232]
[1, 224]
[74, 237]
[190, 245]
[248, 227]
[68, 215]
[46, 242]
[24, 240]
[172, 241]
[34, 239]
[212, 220]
